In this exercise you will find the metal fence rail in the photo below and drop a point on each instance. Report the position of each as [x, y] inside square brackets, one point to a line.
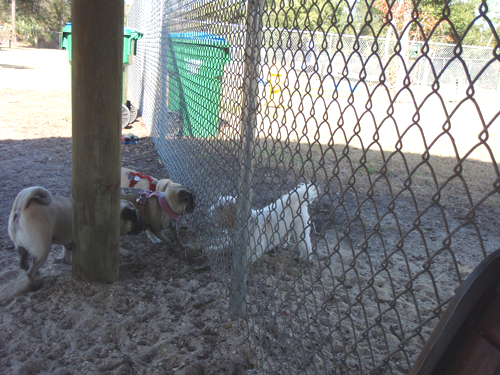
[402, 148]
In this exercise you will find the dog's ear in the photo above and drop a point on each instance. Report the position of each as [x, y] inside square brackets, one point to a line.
[163, 184]
[131, 214]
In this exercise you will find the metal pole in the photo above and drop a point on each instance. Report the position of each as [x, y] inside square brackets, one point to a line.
[250, 108]
[176, 76]
[97, 59]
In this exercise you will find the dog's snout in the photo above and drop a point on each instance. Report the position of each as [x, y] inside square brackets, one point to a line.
[188, 198]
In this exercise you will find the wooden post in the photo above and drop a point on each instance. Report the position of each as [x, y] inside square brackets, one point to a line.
[97, 48]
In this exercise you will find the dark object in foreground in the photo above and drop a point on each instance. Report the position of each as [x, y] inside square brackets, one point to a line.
[466, 339]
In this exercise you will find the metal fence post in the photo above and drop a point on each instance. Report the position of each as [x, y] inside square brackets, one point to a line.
[247, 127]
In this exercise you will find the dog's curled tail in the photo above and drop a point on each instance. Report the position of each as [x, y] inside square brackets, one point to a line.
[36, 193]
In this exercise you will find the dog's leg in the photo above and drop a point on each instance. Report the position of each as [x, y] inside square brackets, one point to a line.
[305, 246]
[152, 237]
[159, 233]
[37, 263]
[126, 253]
[66, 259]
[302, 236]
[67, 254]
[23, 260]
[177, 240]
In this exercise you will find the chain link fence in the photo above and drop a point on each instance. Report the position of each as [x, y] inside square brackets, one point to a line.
[398, 141]
[316, 52]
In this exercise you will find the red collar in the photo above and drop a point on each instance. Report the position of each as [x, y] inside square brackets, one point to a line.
[135, 177]
[144, 195]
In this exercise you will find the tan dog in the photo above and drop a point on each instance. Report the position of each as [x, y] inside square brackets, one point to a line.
[138, 180]
[157, 215]
[39, 220]
[131, 178]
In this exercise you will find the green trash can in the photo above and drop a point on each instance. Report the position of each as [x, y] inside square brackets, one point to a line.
[130, 38]
[195, 67]
[66, 39]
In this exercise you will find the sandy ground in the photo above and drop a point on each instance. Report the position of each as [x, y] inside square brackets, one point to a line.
[367, 301]
[166, 314]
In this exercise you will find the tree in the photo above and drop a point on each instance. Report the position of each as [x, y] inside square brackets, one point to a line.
[13, 20]
[442, 20]
[58, 12]
[311, 15]
[32, 18]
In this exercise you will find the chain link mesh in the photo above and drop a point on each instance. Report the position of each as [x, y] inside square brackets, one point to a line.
[399, 135]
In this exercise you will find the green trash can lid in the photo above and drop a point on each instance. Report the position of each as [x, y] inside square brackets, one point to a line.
[67, 27]
[199, 37]
[134, 34]
[128, 31]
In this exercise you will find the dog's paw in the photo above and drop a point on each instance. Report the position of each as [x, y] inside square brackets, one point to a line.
[126, 253]
[61, 261]
[305, 258]
[152, 237]
[35, 285]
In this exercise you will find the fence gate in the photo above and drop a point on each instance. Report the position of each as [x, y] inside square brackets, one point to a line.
[390, 112]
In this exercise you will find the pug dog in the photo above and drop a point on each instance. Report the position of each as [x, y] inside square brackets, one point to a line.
[130, 224]
[138, 180]
[39, 220]
[160, 210]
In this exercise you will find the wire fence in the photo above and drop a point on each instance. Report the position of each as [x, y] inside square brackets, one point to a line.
[317, 51]
[396, 140]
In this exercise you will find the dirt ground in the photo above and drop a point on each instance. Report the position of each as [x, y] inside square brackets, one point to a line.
[166, 314]
[362, 304]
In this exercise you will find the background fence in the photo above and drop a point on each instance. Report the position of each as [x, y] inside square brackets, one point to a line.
[401, 142]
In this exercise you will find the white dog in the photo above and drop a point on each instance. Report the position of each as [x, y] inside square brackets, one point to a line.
[270, 226]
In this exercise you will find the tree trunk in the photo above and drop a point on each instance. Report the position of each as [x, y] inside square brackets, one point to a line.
[61, 14]
[14, 35]
[36, 37]
[405, 42]
[97, 68]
